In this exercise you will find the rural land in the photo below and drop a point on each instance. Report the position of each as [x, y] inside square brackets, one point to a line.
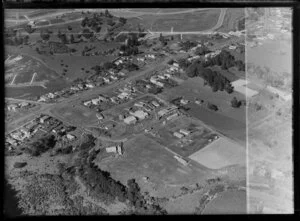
[142, 111]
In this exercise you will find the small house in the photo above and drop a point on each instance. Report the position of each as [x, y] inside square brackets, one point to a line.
[130, 120]
[178, 135]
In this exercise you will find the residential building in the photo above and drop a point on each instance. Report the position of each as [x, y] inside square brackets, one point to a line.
[89, 85]
[178, 135]
[166, 110]
[44, 119]
[172, 116]
[12, 107]
[130, 120]
[95, 101]
[23, 104]
[155, 103]
[70, 137]
[184, 132]
[141, 115]
[99, 116]
[87, 103]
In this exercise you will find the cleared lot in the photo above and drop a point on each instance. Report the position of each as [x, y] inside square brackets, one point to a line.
[220, 153]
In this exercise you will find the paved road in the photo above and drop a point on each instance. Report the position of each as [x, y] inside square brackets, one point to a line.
[156, 34]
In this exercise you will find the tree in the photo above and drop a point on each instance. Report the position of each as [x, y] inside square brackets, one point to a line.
[108, 65]
[122, 20]
[45, 35]
[72, 39]
[235, 103]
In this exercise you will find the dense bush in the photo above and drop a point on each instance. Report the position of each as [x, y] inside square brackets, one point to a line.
[19, 164]
[42, 145]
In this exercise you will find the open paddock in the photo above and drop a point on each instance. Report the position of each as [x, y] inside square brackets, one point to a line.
[144, 157]
[221, 153]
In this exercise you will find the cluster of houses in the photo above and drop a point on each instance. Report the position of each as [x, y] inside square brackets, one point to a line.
[139, 111]
[15, 106]
[45, 124]
[121, 95]
[146, 57]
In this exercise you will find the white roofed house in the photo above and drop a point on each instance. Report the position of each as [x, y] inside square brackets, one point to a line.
[90, 85]
[71, 137]
[99, 116]
[86, 103]
[185, 132]
[130, 120]
[95, 101]
[12, 107]
[155, 103]
[141, 115]
[178, 135]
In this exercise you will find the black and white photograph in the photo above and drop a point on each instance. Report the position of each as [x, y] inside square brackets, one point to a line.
[148, 111]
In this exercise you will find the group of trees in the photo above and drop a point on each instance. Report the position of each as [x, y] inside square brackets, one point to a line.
[187, 45]
[236, 104]
[45, 34]
[225, 60]
[42, 145]
[214, 79]
[131, 45]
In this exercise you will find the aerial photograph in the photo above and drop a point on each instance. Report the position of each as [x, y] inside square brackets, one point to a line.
[147, 111]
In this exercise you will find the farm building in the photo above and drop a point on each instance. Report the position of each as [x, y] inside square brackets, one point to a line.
[130, 120]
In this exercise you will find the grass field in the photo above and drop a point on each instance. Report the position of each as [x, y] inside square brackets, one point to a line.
[229, 202]
[178, 21]
[228, 120]
[232, 16]
[77, 115]
[220, 153]
[144, 157]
